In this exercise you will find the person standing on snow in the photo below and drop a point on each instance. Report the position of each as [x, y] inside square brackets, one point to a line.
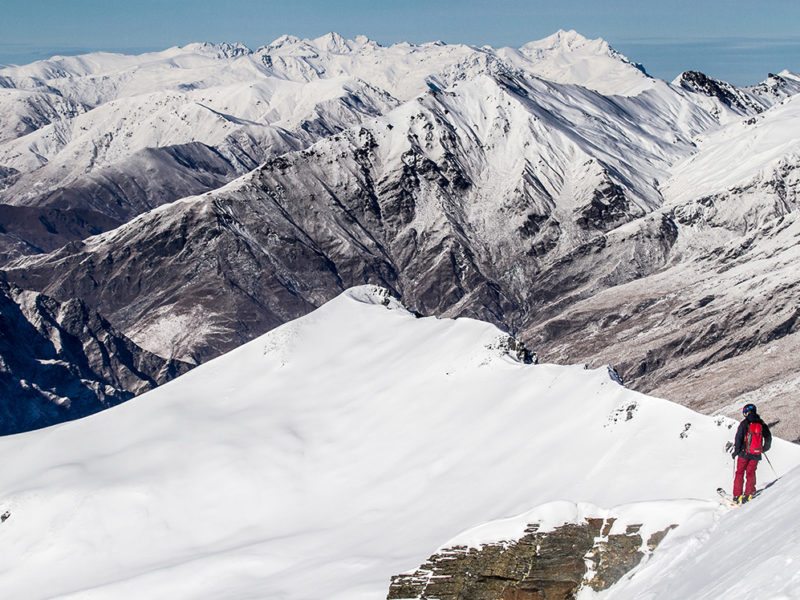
[753, 438]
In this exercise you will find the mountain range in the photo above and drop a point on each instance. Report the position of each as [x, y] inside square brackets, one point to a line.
[198, 197]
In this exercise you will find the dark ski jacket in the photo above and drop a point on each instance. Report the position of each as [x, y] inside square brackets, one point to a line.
[752, 417]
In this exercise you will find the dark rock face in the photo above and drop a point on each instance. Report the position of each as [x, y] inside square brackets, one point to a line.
[608, 208]
[550, 565]
[7, 176]
[698, 82]
[60, 361]
[32, 230]
[775, 86]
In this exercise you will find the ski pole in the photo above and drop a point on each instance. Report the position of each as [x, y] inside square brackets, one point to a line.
[770, 465]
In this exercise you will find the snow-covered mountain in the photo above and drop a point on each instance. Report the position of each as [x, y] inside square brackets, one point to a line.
[568, 57]
[343, 448]
[717, 324]
[555, 190]
[444, 199]
[741, 101]
[119, 135]
[131, 154]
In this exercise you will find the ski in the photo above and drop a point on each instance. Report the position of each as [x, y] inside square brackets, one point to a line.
[729, 499]
[726, 497]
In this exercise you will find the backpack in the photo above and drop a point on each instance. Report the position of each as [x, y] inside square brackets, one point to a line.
[754, 440]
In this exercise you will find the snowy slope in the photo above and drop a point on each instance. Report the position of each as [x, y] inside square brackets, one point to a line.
[751, 148]
[751, 552]
[25, 111]
[329, 454]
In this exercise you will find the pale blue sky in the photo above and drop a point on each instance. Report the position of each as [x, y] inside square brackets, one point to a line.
[734, 40]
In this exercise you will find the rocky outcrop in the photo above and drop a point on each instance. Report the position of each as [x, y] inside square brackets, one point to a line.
[61, 360]
[727, 94]
[541, 565]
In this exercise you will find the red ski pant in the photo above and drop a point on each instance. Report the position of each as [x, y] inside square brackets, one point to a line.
[744, 465]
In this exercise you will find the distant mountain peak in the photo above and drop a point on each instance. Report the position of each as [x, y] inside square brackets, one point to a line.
[363, 40]
[727, 94]
[284, 40]
[332, 42]
[218, 50]
[567, 40]
[569, 57]
[787, 74]
[571, 42]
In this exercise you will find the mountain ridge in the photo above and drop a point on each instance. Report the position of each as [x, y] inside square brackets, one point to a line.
[364, 418]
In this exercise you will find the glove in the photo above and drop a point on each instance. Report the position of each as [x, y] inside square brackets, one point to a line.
[734, 453]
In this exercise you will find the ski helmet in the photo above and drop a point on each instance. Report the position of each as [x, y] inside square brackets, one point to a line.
[748, 408]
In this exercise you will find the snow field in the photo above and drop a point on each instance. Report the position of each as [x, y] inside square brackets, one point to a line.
[326, 456]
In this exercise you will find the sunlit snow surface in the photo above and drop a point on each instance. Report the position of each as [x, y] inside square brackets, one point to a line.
[335, 451]
[752, 552]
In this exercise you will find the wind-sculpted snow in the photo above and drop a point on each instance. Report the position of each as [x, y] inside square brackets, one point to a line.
[330, 454]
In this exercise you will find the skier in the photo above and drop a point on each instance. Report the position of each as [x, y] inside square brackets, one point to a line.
[753, 438]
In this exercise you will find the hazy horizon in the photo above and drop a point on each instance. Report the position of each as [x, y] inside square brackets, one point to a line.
[732, 40]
